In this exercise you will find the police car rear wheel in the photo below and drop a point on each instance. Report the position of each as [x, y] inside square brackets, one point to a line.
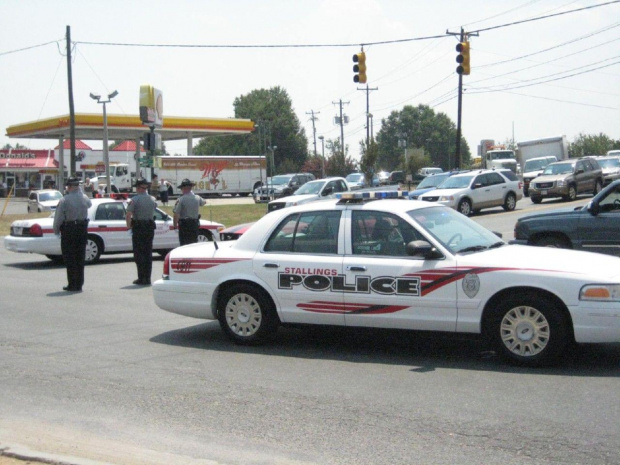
[93, 249]
[247, 315]
[529, 330]
[204, 236]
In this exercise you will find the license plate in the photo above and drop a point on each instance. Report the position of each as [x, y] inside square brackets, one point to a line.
[543, 192]
[18, 231]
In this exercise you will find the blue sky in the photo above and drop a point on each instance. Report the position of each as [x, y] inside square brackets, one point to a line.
[198, 81]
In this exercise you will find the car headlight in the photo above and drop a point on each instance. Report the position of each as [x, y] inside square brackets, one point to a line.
[446, 198]
[561, 183]
[600, 292]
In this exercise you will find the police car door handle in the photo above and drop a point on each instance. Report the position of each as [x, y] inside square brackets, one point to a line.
[271, 265]
[356, 268]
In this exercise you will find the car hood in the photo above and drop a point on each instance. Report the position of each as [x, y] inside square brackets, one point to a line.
[532, 174]
[548, 259]
[553, 177]
[419, 192]
[567, 211]
[297, 199]
[456, 190]
[49, 203]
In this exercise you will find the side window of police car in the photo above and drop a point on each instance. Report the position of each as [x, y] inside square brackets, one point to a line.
[494, 178]
[312, 232]
[110, 211]
[378, 233]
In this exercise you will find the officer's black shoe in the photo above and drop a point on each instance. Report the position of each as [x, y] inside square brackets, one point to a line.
[142, 282]
[72, 289]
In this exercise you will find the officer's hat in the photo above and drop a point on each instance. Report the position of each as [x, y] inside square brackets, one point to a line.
[72, 182]
[186, 182]
[142, 182]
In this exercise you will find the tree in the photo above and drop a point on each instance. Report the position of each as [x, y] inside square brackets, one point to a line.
[18, 146]
[338, 163]
[421, 128]
[368, 163]
[278, 126]
[591, 144]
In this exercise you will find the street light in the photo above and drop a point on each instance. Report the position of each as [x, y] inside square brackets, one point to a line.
[322, 138]
[106, 157]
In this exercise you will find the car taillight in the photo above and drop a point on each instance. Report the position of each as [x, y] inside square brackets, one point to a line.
[166, 271]
[35, 230]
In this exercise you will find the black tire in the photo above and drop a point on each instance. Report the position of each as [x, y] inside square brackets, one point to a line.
[598, 187]
[28, 208]
[572, 194]
[204, 236]
[510, 203]
[94, 249]
[246, 314]
[536, 200]
[465, 207]
[39, 210]
[528, 329]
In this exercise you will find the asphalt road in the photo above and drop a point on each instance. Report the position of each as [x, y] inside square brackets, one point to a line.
[105, 376]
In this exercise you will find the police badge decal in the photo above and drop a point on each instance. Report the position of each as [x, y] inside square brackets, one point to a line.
[471, 285]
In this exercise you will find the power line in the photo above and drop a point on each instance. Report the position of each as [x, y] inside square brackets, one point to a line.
[29, 48]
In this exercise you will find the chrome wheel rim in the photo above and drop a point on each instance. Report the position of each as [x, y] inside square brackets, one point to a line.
[511, 202]
[243, 315]
[91, 250]
[203, 238]
[525, 331]
[465, 208]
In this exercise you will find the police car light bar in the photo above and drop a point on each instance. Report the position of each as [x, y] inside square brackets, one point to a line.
[358, 197]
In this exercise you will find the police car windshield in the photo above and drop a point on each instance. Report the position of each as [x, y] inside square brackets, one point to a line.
[312, 187]
[455, 232]
[456, 182]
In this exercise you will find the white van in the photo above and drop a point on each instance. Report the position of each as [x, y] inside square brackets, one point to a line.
[532, 168]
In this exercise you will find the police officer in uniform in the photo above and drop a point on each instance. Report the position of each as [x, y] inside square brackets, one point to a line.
[71, 222]
[186, 213]
[140, 220]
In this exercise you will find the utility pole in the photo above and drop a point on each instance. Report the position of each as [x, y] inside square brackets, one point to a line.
[368, 115]
[313, 119]
[342, 122]
[71, 112]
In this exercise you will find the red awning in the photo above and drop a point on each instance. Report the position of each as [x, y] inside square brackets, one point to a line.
[27, 160]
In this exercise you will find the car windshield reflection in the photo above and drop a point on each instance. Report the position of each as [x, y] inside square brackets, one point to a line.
[454, 231]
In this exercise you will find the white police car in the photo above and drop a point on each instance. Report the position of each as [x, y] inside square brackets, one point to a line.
[395, 264]
[107, 232]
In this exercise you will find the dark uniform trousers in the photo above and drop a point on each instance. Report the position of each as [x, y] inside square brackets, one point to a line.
[142, 240]
[188, 231]
[73, 236]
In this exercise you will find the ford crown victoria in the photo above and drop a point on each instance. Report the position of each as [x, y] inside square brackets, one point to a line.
[107, 233]
[395, 264]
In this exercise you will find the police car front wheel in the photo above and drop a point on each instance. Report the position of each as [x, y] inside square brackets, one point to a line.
[247, 314]
[528, 329]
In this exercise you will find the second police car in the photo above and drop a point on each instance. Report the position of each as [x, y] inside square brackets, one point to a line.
[395, 264]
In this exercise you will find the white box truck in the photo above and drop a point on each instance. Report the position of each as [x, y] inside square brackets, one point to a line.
[213, 175]
[547, 147]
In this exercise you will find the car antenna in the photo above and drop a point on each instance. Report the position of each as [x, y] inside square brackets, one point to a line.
[211, 219]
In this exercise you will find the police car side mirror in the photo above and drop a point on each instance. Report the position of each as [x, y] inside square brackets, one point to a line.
[422, 249]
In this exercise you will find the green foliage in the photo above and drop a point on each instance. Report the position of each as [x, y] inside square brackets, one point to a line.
[592, 144]
[18, 146]
[417, 159]
[368, 163]
[424, 129]
[277, 125]
[338, 162]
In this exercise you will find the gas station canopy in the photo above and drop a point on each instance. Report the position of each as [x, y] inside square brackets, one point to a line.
[123, 127]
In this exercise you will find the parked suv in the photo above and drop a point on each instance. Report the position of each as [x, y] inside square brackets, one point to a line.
[566, 179]
[281, 185]
[472, 191]
[314, 190]
[611, 168]
[533, 168]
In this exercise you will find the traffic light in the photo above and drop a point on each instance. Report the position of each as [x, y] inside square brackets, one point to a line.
[463, 58]
[360, 68]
